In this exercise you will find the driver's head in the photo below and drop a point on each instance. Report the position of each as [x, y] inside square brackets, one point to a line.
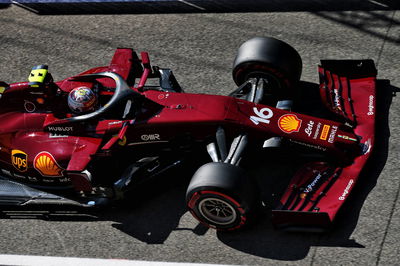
[82, 100]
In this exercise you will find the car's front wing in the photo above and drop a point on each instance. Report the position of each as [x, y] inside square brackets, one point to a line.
[319, 189]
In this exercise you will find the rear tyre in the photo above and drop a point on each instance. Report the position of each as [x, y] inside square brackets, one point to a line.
[272, 59]
[221, 196]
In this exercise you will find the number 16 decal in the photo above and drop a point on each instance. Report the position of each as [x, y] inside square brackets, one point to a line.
[262, 115]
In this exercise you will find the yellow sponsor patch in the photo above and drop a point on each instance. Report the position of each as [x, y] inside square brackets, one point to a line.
[324, 132]
[19, 160]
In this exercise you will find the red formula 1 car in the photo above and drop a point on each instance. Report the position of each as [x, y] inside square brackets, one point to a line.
[49, 154]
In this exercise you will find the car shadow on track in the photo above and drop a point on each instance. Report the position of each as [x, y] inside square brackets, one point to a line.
[154, 213]
[153, 221]
[261, 240]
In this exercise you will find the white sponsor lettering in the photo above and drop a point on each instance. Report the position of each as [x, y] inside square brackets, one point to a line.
[310, 187]
[54, 135]
[263, 115]
[346, 190]
[64, 180]
[115, 123]
[62, 129]
[317, 129]
[150, 137]
[332, 134]
[371, 105]
[309, 128]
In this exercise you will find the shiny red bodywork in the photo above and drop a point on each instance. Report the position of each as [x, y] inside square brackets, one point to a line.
[198, 115]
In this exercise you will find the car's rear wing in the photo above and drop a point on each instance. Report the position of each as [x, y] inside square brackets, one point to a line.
[319, 189]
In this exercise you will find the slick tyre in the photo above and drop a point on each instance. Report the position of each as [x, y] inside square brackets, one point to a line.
[272, 59]
[221, 196]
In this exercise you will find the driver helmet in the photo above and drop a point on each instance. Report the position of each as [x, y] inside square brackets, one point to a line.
[82, 100]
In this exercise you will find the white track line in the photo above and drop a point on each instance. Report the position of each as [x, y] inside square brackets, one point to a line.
[192, 5]
[22, 260]
[377, 3]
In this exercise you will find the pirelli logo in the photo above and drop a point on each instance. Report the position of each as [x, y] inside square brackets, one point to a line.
[324, 132]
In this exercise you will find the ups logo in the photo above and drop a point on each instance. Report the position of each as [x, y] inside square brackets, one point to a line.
[19, 160]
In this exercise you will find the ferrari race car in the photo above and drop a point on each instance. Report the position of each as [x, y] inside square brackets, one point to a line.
[52, 155]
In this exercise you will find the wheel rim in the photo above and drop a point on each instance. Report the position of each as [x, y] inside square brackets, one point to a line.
[217, 211]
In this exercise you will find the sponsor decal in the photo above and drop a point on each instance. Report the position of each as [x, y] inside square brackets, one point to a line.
[332, 134]
[261, 116]
[46, 165]
[346, 137]
[55, 135]
[371, 105]
[61, 129]
[64, 180]
[122, 142]
[308, 145]
[311, 186]
[289, 123]
[346, 190]
[317, 129]
[150, 137]
[309, 128]
[30, 107]
[115, 123]
[324, 133]
[19, 160]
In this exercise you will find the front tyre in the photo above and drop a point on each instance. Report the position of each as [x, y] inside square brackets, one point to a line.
[221, 196]
[271, 59]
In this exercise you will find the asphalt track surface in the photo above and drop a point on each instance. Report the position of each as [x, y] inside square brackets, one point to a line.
[200, 49]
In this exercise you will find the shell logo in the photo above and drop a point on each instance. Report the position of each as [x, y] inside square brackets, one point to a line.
[289, 123]
[46, 165]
